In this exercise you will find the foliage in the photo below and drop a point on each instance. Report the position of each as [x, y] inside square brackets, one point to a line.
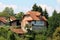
[40, 37]
[7, 12]
[56, 34]
[45, 13]
[19, 16]
[6, 34]
[54, 22]
[39, 9]
[36, 8]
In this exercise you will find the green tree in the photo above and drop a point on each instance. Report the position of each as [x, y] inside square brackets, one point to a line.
[54, 13]
[45, 13]
[55, 17]
[7, 12]
[11, 12]
[53, 23]
[19, 16]
[35, 7]
[56, 34]
[58, 19]
[40, 10]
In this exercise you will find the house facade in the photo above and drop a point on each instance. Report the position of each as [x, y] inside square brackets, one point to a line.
[14, 21]
[35, 19]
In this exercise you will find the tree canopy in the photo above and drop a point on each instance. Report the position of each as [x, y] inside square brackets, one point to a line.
[19, 16]
[7, 12]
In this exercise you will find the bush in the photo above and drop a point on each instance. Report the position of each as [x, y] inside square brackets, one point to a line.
[56, 34]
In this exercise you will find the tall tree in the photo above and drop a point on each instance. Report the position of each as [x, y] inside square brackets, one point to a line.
[45, 13]
[53, 23]
[35, 7]
[40, 10]
[19, 16]
[11, 12]
[5, 12]
[8, 12]
[6, 9]
[54, 13]
[58, 19]
[56, 34]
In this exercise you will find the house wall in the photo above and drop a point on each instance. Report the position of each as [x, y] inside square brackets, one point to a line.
[24, 22]
[38, 25]
[35, 24]
[15, 23]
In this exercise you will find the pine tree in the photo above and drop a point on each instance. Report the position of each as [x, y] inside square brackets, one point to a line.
[35, 7]
[45, 13]
[53, 23]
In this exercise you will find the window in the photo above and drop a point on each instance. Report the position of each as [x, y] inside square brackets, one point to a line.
[40, 23]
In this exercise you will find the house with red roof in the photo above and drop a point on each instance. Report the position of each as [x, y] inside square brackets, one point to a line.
[14, 21]
[35, 19]
[3, 21]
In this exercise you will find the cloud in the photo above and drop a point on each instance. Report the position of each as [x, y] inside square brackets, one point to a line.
[24, 9]
[58, 9]
[16, 8]
[48, 8]
[2, 6]
[58, 1]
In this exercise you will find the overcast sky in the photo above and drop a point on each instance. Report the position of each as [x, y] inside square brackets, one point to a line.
[26, 5]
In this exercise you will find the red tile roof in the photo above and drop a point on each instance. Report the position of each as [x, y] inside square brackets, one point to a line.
[3, 19]
[35, 15]
[44, 18]
[34, 12]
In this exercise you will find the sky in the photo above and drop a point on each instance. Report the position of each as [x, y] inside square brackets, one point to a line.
[26, 5]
